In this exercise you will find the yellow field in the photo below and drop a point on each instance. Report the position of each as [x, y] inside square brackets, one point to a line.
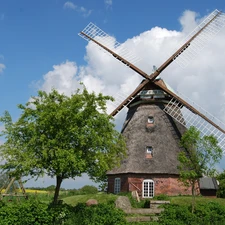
[30, 191]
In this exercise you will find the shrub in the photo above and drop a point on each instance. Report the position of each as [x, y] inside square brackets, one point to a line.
[89, 189]
[161, 197]
[25, 213]
[205, 214]
[102, 214]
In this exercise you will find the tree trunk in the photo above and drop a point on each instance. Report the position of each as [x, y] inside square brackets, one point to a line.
[57, 188]
[193, 196]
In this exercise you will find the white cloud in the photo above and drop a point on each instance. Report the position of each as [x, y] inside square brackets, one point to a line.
[2, 67]
[62, 77]
[108, 3]
[80, 9]
[188, 21]
[70, 5]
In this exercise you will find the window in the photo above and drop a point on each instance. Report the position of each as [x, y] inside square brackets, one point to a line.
[148, 189]
[149, 150]
[151, 119]
[117, 184]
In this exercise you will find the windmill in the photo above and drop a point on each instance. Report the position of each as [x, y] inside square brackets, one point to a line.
[157, 116]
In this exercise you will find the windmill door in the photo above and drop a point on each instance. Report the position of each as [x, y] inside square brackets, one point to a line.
[148, 189]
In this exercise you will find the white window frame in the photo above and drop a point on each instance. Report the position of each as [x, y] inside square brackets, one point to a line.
[149, 150]
[117, 185]
[150, 119]
[148, 188]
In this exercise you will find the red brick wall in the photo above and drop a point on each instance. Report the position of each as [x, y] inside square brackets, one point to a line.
[163, 184]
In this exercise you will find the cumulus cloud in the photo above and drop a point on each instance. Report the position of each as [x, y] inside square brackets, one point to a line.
[188, 21]
[62, 77]
[2, 67]
[79, 9]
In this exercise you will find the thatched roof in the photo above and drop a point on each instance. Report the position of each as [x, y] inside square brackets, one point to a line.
[163, 136]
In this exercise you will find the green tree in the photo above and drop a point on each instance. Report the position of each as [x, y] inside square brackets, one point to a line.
[221, 178]
[197, 159]
[62, 137]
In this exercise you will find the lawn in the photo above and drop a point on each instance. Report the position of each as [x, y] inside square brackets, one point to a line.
[100, 197]
[186, 200]
[103, 198]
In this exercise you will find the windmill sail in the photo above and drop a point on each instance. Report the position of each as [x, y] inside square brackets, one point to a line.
[92, 32]
[175, 108]
[205, 31]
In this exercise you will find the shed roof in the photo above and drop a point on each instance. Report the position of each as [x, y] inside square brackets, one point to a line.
[208, 183]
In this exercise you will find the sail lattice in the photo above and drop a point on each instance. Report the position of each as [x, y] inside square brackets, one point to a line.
[94, 32]
[187, 118]
[217, 19]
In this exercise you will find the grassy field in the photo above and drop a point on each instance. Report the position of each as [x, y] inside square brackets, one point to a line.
[186, 200]
[103, 198]
[100, 197]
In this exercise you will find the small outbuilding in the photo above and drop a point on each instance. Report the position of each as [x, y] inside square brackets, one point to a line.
[208, 186]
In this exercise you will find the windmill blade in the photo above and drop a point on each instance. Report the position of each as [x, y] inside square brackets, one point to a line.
[114, 54]
[195, 41]
[204, 32]
[193, 115]
[92, 32]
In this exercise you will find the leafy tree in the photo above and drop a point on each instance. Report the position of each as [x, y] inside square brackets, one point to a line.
[198, 158]
[50, 188]
[221, 178]
[89, 189]
[62, 137]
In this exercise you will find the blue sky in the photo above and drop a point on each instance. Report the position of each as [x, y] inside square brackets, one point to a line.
[40, 48]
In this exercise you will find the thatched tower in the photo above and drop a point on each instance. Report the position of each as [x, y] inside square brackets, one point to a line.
[152, 138]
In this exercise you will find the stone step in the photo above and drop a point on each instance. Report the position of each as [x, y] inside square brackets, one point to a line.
[143, 211]
[141, 218]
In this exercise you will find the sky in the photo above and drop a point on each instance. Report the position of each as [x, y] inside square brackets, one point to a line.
[40, 49]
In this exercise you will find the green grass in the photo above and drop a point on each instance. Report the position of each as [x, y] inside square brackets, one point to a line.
[186, 200]
[104, 198]
[100, 197]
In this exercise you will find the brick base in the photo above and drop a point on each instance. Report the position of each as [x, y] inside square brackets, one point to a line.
[163, 184]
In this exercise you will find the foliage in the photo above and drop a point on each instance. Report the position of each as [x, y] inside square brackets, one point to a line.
[62, 137]
[162, 197]
[102, 214]
[50, 188]
[221, 178]
[25, 213]
[205, 214]
[89, 189]
[198, 158]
